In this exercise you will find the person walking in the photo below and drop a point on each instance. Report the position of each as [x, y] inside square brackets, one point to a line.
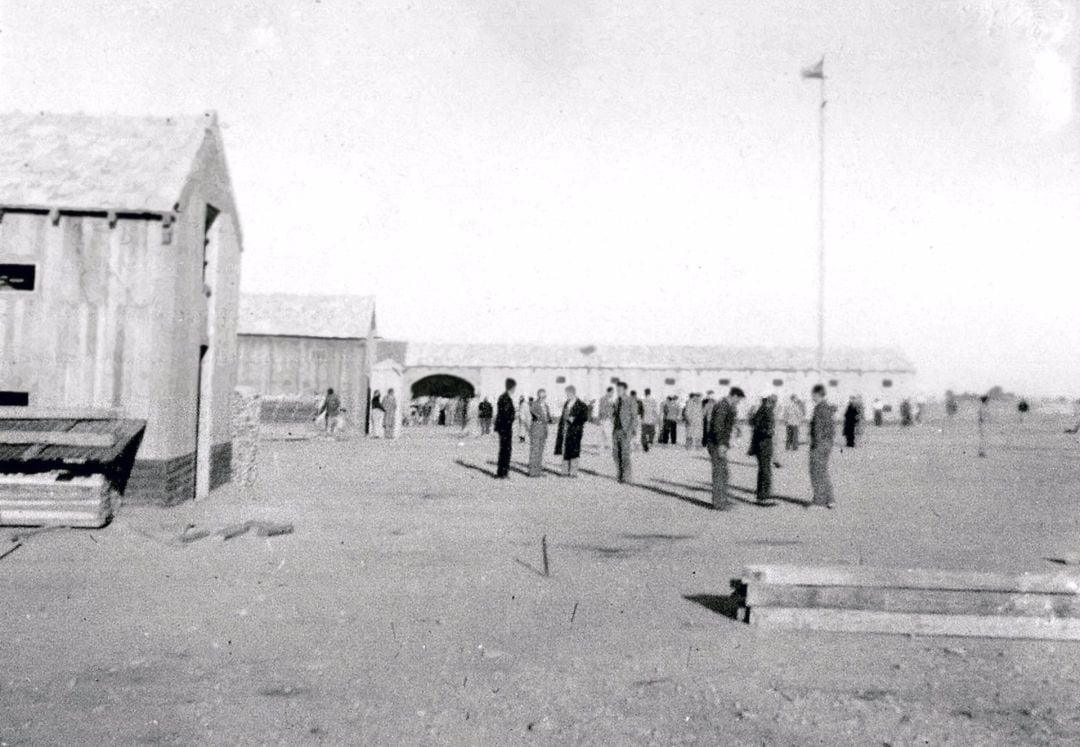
[331, 408]
[623, 420]
[538, 433]
[390, 407]
[378, 415]
[822, 434]
[984, 422]
[639, 408]
[694, 418]
[571, 431]
[487, 412]
[763, 423]
[851, 422]
[605, 414]
[879, 412]
[721, 427]
[504, 426]
[650, 414]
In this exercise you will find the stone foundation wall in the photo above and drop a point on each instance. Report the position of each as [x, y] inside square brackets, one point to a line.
[246, 411]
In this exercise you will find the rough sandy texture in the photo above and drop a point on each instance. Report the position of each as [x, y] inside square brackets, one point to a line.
[408, 607]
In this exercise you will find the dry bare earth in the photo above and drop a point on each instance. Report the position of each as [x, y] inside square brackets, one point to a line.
[410, 607]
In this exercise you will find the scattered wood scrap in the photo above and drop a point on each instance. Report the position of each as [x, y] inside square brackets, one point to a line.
[912, 601]
[192, 533]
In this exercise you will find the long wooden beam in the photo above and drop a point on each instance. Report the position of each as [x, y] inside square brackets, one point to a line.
[902, 623]
[1061, 582]
[931, 601]
[58, 438]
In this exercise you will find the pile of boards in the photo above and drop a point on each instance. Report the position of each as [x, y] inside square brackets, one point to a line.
[911, 601]
[64, 472]
[55, 498]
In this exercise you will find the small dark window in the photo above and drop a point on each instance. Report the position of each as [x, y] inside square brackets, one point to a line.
[14, 399]
[725, 382]
[887, 408]
[886, 383]
[777, 382]
[614, 379]
[560, 379]
[834, 382]
[17, 277]
[669, 382]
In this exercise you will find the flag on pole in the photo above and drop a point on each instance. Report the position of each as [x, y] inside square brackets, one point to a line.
[815, 71]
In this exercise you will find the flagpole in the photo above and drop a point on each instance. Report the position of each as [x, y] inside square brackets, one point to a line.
[821, 233]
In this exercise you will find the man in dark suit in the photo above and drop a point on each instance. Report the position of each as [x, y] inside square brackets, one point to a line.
[822, 433]
[504, 426]
[624, 422]
[721, 426]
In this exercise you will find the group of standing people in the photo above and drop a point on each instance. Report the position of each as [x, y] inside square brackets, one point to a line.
[384, 415]
[626, 415]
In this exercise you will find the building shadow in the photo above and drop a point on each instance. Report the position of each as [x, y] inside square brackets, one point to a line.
[728, 606]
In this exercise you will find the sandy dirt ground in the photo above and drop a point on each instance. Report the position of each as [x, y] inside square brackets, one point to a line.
[409, 605]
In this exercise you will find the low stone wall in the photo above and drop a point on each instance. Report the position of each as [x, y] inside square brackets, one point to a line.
[246, 410]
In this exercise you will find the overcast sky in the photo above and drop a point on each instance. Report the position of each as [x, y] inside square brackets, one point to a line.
[578, 171]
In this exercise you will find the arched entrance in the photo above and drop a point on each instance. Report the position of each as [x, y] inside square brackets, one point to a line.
[444, 386]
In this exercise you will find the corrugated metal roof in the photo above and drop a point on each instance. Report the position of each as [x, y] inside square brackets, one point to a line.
[97, 162]
[294, 315]
[453, 355]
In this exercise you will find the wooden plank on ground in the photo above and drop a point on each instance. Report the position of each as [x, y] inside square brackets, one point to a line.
[904, 623]
[935, 601]
[58, 438]
[1061, 582]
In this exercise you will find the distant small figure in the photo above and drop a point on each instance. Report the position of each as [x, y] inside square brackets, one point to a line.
[390, 407]
[623, 420]
[721, 428]
[487, 412]
[605, 413]
[763, 423]
[984, 420]
[669, 431]
[906, 413]
[650, 415]
[635, 437]
[793, 415]
[920, 408]
[693, 416]
[331, 408]
[706, 411]
[822, 434]
[571, 431]
[504, 426]
[851, 422]
[1023, 408]
[538, 433]
[951, 405]
[378, 415]
[524, 420]
[879, 412]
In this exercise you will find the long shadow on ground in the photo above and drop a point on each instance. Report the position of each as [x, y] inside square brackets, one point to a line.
[488, 472]
[706, 487]
[728, 606]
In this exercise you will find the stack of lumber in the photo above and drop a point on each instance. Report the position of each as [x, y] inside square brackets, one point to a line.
[55, 499]
[912, 601]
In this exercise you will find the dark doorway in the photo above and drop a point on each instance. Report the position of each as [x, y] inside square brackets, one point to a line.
[442, 385]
